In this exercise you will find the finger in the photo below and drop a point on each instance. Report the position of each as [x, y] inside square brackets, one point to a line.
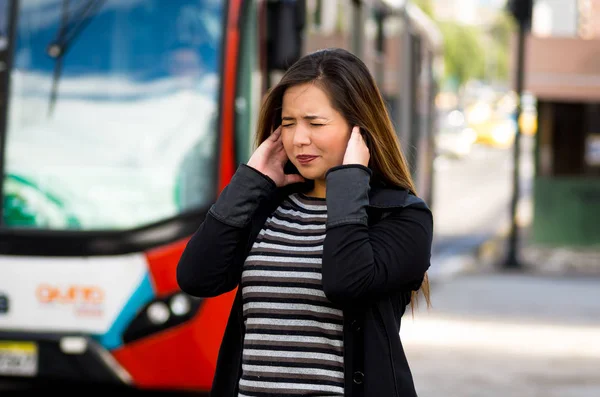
[352, 136]
[275, 135]
[360, 135]
[280, 153]
[357, 133]
[293, 178]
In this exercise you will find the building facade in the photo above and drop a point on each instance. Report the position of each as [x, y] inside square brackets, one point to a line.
[562, 70]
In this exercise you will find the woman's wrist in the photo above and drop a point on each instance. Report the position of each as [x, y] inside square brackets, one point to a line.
[347, 166]
[242, 196]
[348, 195]
[257, 171]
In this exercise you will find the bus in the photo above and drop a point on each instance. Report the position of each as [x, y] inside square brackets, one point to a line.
[120, 123]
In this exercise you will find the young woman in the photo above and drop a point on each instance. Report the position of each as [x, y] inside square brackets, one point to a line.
[324, 236]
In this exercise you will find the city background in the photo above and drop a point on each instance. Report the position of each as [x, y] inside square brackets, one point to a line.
[120, 121]
[496, 330]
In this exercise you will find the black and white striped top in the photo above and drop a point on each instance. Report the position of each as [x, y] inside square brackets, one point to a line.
[293, 343]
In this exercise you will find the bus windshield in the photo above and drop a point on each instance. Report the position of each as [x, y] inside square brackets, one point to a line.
[120, 131]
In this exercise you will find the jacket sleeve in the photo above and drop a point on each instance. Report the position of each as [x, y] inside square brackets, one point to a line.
[362, 262]
[211, 263]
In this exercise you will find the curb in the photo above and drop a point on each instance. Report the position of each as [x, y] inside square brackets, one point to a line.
[489, 254]
[486, 254]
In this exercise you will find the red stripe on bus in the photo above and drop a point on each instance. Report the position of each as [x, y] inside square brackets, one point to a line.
[162, 262]
[232, 39]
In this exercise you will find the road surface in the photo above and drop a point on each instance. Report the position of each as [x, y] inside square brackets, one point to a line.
[498, 335]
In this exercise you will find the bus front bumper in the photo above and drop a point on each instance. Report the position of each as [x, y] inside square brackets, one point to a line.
[58, 358]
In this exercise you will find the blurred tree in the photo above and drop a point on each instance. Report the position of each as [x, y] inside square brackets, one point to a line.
[500, 34]
[472, 52]
[464, 53]
[426, 6]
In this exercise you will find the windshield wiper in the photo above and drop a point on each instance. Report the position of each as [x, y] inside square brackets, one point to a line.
[59, 47]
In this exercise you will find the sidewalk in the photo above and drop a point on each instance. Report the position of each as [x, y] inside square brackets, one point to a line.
[564, 261]
[494, 334]
[557, 261]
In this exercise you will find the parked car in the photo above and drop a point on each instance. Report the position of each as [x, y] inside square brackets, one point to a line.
[493, 121]
[498, 132]
[454, 137]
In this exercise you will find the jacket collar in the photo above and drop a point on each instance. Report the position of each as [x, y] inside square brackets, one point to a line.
[380, 197]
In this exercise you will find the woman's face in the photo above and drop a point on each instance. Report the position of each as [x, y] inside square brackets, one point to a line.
[314, 134]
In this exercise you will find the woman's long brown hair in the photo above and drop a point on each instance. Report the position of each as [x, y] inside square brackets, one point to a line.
[354, 93]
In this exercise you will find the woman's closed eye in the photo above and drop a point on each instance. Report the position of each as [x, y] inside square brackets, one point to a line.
[292, 124]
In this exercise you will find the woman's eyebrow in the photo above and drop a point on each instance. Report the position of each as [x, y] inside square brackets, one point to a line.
[306, 117]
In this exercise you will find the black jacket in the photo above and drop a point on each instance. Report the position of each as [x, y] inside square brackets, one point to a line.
[376, 251]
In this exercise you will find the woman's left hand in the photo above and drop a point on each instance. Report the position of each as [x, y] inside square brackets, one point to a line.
[357, 151]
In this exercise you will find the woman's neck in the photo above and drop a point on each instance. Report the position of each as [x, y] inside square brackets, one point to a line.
[319, 190]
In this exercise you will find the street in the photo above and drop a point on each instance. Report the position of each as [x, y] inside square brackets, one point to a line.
[489, 333]
[472, 200]
[514, 335]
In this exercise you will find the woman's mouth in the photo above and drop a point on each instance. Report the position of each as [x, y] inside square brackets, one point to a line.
[305, 158]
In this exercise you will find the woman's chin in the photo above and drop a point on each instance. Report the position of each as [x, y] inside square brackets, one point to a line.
[311, 174]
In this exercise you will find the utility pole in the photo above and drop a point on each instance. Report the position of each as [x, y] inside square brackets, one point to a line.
[522, 11]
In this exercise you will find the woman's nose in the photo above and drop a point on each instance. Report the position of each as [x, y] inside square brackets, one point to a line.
[301, 136]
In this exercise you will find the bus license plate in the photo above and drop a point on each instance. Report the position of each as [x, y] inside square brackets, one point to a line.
[18, 358]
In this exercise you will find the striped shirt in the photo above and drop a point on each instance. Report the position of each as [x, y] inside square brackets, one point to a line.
[294, 342]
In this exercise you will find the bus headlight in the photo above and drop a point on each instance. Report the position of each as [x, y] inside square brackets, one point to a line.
[161, 314]
[158, 313]
[180, 304]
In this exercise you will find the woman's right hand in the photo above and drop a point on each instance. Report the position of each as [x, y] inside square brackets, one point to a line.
[270, 158]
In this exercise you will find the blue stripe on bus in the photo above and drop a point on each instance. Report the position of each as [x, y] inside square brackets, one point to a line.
[143, 294]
